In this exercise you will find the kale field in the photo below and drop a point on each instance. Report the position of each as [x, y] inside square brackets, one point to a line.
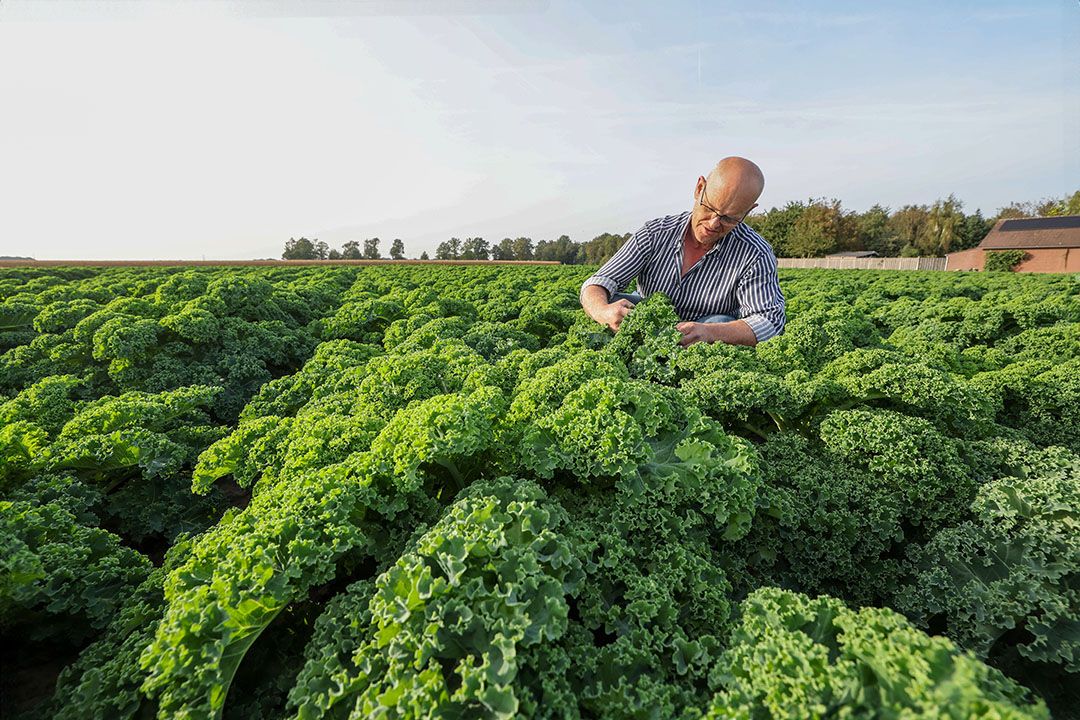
[415, 491]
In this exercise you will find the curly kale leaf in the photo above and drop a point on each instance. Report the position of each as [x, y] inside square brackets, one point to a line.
[453, 433]
[496, 340]
[647, 341]
[253, 448]
[881, 378]
[1015, 565]
[364, 320]
[599, 430]
[103, 684]
[241, 574]
[61, 575]
[48, 403]
[447, 618]
[1037, 397]
[142, 434]
[840, 509]
[816, 337]
[920, 470]
[22, 445]
[654, 606]
[542, 389]
[284, 396]
[327, 681]
[391, 382]
[793, 657]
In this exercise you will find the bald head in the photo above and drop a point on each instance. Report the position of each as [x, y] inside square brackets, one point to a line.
[731, 190]
[738, 179]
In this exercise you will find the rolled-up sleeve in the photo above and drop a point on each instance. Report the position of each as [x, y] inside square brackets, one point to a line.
[624, 265]
[761, 302]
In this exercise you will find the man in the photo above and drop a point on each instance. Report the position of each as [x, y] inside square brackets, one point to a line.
[719, 273]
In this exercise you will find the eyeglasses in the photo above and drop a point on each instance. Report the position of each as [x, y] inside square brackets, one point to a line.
[725, 219]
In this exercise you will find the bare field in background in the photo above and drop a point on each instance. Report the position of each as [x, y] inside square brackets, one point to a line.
[268, 263]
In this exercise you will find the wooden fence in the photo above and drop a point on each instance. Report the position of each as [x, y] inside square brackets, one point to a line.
[850, 263]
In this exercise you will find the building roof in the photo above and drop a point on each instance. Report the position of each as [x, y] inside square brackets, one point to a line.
[855, 254]
[1031, 233]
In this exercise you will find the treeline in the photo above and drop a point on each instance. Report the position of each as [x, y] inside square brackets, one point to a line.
[813, 228]
[563, 249]
[304, 249]
[820, 227]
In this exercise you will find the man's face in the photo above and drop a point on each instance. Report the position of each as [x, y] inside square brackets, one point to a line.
[712, 202]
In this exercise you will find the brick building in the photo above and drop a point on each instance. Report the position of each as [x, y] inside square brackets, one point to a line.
[1050, 244]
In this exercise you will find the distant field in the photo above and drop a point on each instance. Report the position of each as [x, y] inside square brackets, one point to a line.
[268, 263]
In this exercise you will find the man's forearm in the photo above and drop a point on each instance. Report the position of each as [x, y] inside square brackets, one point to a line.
[736, 332]
[594, 299]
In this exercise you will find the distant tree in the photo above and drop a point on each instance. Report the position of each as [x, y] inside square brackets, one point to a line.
[1051, 207]
[944, 222]
[775, 225]
[523, 248]
[1015, 210]
[397, 249]
[847, 229]
[822, 228]
[351, 250]
[907, 223]
[1047, 207]
[810, 236]
[481, 248]
[566, 250]
[322, 250]
[371, 249]
[874, 233]
[334, 254]
[600, 249]
[1071, 205]
[504, 250]
[543, 250]
[474, 248]
[562, 250]
[424, 256]
[449, 250]
[972, 231]
[301, 249]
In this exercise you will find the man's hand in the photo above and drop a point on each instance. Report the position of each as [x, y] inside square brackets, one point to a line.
[693, 332]
[613, 314]
[594, 300]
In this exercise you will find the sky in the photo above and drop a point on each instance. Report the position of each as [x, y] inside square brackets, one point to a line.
[219, 130]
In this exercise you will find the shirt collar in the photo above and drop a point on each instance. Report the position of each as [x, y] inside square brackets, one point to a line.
[676, 247]
[723, 241]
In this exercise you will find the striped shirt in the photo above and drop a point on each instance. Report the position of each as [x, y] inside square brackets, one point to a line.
[737, 276]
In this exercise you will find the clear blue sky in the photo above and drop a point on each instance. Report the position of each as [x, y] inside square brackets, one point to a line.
[165, 130]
